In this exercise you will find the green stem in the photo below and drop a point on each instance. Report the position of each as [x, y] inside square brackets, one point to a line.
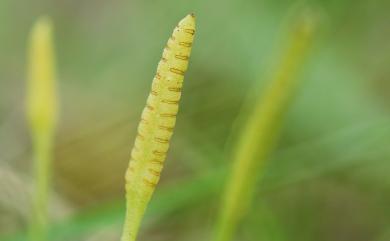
[42, 165]
[260, 134]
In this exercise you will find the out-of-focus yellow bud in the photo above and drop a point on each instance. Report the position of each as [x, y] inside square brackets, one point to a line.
[41, 89]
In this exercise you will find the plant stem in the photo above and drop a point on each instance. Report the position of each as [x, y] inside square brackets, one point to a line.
[156, 126]
[42, 118]
[260, 133]
[42, 174]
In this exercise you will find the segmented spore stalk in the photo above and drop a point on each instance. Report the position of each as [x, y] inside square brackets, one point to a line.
[156, 126]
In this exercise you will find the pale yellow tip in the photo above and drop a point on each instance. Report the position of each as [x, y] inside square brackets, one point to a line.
[41, 89]
[42, 27]
[188, 21]
[307, 22]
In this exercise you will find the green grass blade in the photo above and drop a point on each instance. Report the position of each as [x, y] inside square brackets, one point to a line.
[260, 133]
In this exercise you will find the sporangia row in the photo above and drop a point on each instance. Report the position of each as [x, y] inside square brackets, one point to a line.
[156, 126]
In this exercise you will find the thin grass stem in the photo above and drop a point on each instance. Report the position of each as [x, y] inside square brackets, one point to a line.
[260, 133]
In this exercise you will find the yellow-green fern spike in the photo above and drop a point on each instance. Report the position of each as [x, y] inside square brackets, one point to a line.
[156, 126]
[260, 133]
[42, 118]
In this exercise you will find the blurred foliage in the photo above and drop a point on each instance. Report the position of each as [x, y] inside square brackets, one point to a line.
[260, 133]
[328, 179]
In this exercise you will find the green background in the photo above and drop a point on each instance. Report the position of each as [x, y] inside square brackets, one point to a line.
[327, 180]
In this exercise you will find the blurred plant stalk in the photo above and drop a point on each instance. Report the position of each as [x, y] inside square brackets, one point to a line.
[260, 133]
[42, 110]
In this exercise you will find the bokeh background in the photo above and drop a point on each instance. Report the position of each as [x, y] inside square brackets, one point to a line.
[328, 179]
